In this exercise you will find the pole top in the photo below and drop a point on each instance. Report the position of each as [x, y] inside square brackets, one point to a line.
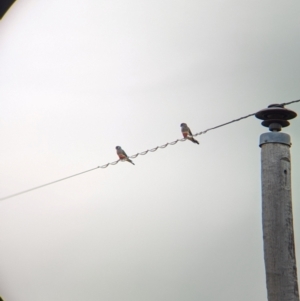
[275, 117]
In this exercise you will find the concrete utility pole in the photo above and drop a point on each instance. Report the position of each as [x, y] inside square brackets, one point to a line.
[277, 213]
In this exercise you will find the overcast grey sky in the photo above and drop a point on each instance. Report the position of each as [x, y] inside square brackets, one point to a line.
[80, 77]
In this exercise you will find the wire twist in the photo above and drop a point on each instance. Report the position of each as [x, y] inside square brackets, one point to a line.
[140, 153]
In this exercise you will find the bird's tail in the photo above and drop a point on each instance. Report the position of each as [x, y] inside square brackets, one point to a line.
[130, 161]
[193, 140]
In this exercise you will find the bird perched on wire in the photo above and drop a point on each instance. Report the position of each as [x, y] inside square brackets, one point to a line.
[187, 134]
[122, 155]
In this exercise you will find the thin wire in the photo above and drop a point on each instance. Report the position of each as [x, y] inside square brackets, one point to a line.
[140, 153]
[37, 187]
[288, 103]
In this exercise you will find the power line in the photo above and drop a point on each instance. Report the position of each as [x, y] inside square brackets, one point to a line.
[184, 139]
[288, 103]
[137, 154]
[37, 187]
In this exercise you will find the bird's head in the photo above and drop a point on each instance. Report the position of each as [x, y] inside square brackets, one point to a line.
[118, 147]
[183, 124]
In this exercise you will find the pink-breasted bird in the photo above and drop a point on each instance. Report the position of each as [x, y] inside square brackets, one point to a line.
[187, 134]
[122, 155]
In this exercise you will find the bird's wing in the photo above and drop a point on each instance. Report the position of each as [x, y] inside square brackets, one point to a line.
[123, 152]
[190, 132]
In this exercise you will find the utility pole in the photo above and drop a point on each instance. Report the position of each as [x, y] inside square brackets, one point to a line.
[277, 213]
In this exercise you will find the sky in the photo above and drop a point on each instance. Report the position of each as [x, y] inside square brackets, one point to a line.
[79, 78]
